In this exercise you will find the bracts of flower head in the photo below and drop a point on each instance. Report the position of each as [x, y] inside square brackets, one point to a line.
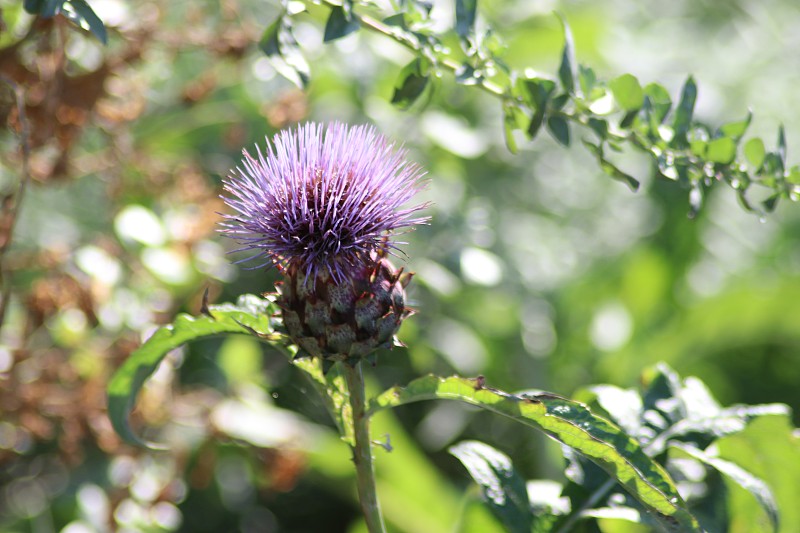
[324, 205]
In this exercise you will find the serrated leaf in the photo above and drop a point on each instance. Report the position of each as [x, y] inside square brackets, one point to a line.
[568, 70]
[559, 129]
[503, 490]
[250, 314]
[741, 477]
[412, 83]
[570, 423]
[627, 92]
[340, 24]
[754, 151]
[722, 150]
[685, 110]
[465, 17]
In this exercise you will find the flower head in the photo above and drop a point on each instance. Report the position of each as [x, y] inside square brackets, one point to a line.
[322, 199]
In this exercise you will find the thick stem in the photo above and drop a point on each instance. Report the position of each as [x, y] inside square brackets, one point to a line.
[362, 452]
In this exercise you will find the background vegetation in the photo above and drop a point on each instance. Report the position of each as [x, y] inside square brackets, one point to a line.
[537, 271]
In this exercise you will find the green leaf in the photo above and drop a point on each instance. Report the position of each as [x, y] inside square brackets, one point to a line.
[503, 489]
[50, 8]
[659, 100]
[559, 129]
[570, 423]
[279, 44]
[568, 70]
[412, 83]
[513, 119]
[465, 17]
[587, 79]
[33, 7]
[624, 406]
[79, 13]
[340, 24]
[537, 91]
[771, 203]
[250, 314]
[741, 477]
[782, 145]
[722, 150]
[770, 449]
[685, 110]
[735, 130]
[627, 92]
[599, 126]
[754, 151]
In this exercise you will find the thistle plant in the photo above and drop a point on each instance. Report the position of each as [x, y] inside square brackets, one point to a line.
[324, 205]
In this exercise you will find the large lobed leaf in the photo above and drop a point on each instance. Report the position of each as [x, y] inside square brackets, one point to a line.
[250, 315]
[570, 423]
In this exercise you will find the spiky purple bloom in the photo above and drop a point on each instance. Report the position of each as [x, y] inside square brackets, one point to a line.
[322, 199]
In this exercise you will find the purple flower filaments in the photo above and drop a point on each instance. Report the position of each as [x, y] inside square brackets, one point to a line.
[324, 203]
[321, 199]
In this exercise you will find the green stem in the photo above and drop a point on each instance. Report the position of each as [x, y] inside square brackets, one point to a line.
[362, 452]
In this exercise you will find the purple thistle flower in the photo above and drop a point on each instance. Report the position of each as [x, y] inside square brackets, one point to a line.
[322, 199]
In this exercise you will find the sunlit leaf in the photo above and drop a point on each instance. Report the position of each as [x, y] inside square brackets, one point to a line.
[735, 130]
[503, 489]
[568, 422]
[568, 70]
[722, 150]
[627, 92]
[659, 100]
[741, 477]
[754, 151]
[279, 44]
[79, 12]
[685, 109]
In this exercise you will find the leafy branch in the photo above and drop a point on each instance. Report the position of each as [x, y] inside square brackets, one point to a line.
[616, 115]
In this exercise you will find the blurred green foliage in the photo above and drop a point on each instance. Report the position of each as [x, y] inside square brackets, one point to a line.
[536, 271]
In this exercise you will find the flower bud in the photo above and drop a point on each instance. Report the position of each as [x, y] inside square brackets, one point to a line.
[323, 205]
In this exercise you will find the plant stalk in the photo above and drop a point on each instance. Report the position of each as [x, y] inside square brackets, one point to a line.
[362, 452]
